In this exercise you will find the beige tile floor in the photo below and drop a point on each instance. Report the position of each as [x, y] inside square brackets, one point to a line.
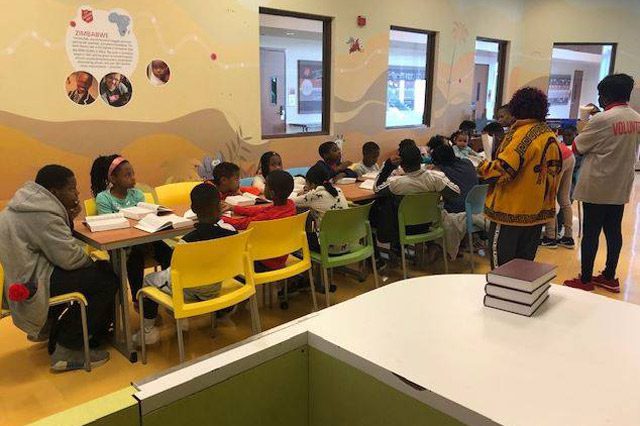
[28, 391]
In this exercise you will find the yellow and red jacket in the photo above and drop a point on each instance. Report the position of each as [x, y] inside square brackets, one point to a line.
[524, 176]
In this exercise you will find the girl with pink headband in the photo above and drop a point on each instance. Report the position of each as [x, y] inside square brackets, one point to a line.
[113, 184]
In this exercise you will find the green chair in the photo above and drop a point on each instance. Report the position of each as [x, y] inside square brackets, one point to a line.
[345, 227]
[421, 209]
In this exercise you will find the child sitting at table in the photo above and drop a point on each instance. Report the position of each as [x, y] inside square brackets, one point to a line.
[269, 161]
[468, 127]
[205, 203]
[331, 155]
[278, 189]
[384, 214]
[321, 196]
[113, 184]
[226, 177]
[459, 171]
[369, 164]
[461, 148]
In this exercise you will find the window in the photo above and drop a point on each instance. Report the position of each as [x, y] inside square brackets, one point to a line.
[295, 61]
[488, 78]
[576, 70]
[410, 77]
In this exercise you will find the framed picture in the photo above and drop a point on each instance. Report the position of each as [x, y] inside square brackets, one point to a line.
[309, 87]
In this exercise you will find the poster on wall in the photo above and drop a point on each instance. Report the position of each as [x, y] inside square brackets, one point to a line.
[559, 89]
[101, 47]
[309, 87]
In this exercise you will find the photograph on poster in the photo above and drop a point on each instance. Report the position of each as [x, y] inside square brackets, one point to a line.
[158, 72]
[81, 87]
[115, 89]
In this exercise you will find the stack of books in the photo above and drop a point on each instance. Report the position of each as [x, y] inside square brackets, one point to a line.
[519, 286]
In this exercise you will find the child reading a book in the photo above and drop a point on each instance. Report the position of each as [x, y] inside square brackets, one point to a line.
[226, 177]
[369, 163]
[331, 155]
[320, 197]
[113, 184]
[205, 203]
[269, 161]
[278, 188]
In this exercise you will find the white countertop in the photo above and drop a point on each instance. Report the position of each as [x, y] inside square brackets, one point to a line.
[577, 361]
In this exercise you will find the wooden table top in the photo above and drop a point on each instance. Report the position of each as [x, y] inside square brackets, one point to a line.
[120, 238]
[353, 192]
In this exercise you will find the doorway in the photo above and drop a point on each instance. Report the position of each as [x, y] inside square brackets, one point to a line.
[272, 91]
[480, 83]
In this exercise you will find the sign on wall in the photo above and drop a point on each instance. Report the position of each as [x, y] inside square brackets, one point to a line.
[101, 47]
[309, 87]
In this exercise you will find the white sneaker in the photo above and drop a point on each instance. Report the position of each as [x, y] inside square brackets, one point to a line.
[151, 336]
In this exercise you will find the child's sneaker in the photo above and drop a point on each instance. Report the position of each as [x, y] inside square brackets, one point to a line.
[567, 242]
[64, 359]
[577, 283]
[550, 243]
[610, 285]
[151, 336]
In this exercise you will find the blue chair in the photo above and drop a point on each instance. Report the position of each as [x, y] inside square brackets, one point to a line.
[474, 204]
[295, 171]
[248, 181]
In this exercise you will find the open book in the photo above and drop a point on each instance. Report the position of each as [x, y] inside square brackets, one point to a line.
[368, 184]
[154, 223]
[246, 199]
[143, 209]
[370, 175]
[106, 222]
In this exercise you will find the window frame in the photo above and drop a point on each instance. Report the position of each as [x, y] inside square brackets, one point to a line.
[612, 64]
[430, 78]
[503, 46]
[326, 70]
[614, 49]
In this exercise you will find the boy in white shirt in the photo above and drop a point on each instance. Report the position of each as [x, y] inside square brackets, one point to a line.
[609, 143]
[369, 163]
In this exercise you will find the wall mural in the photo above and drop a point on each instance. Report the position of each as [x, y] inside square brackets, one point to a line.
[80, 91]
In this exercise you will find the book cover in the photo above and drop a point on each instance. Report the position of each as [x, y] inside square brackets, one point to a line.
[522, 274]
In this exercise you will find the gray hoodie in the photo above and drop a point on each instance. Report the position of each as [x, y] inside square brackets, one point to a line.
[35, 236]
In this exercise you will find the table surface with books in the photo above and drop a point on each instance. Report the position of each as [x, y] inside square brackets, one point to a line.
[129, 236]
[573, 362]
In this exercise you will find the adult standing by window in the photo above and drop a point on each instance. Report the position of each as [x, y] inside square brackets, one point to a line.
[609, 145]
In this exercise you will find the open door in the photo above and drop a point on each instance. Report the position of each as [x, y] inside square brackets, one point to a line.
[480, 83]
[272, 91]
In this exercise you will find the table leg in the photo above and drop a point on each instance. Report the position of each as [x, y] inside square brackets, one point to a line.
[123, 342]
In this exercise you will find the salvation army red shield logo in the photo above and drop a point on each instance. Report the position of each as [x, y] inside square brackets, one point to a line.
[87, 16]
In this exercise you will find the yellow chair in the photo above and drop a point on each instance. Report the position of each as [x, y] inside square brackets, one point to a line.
[281, 237]
[201, 263]
[63, 299]
[175, 194]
